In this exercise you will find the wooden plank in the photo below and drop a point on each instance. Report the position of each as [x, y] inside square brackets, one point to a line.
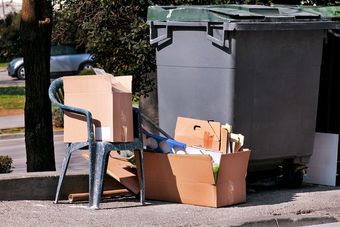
[106, 194]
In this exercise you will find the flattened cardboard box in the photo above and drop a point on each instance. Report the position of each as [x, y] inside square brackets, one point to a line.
[189, 178]
[109, 102]
[201, 133]
[121, 170]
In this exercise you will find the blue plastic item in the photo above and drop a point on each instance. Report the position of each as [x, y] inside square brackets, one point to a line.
[165, 145]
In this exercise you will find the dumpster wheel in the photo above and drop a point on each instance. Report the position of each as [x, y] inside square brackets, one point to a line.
[293, 175]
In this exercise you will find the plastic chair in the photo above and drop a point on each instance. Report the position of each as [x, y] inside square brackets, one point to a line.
[99, 151]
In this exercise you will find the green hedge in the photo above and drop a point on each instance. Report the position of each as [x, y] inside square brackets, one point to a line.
[10, 37]
[5, 164]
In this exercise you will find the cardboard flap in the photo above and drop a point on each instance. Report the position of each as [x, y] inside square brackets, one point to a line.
[97, 83]
[233, 167]
[86, 84]
[200, 133]
[126, 81]
[117, 87]
[224, 140]
[192, 168]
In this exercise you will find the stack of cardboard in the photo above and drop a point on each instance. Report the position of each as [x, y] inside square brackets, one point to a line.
[189, 178]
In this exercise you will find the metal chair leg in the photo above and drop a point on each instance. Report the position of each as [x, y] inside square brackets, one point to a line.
[68, 153]
[142, 182]
[63, 170]
[98, 163]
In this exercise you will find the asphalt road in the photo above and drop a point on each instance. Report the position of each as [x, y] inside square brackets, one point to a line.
[15, 148]
[6, 80]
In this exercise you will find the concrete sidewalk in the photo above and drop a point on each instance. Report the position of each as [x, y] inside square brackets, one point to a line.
[309, 205]
[26, 200]
[30, 203]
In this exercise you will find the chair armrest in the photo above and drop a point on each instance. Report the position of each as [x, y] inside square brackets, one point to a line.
[53, 93]
[137, 123]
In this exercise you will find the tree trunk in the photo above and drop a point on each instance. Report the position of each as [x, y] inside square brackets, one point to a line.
[36, 28]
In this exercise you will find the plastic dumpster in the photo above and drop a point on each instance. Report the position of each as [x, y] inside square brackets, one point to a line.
[254, 67]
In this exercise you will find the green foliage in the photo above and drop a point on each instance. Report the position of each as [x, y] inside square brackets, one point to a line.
[87, 72]
[12, 90]
[5, 164]
[57, 118]
[114, 31]
[10, 37]
[12, 97]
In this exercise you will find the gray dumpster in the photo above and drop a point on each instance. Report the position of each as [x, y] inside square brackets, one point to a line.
[254, 67]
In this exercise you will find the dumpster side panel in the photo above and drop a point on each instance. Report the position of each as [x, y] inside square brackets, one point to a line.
[195, 77]
[276, 91]
[203, 93]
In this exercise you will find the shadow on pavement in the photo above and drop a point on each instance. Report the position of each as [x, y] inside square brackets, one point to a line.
[258, 195]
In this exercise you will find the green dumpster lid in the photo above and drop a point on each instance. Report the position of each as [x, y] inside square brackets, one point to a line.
[230, 13]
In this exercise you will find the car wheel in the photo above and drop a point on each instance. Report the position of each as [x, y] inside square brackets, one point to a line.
[21, 73]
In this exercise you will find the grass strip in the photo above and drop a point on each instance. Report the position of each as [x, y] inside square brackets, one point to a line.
[12, 130]
[12, 97]
[3, 64]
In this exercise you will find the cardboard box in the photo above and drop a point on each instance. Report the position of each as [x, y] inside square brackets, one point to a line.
[189, 179]
[109, 102]
[201, 133]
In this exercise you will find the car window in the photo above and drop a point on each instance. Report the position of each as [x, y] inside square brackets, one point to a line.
[62, 50]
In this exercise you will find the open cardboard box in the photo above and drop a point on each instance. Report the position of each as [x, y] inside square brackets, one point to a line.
[109, 100]
[189, 179]
[202, 133]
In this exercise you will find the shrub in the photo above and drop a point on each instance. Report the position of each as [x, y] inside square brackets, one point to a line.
[10, 45]
[57, 118]
[5, 164]
[87, 72]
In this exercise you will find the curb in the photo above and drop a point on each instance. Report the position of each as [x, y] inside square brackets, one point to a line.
[43, 185]
[40, 185]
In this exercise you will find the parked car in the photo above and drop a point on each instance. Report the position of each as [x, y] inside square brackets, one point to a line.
[64, 60]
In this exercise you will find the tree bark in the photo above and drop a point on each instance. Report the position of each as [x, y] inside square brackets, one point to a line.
[35, 29]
